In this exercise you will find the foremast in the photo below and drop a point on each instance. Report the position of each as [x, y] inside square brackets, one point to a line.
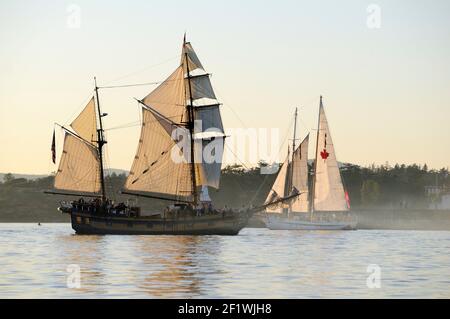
[81, 170]
[289, 177]
[100, 142]
[288, 185]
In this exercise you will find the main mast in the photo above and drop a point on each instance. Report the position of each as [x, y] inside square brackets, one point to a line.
[290, 174]
[315, 161]
[191, 125]
[100, 142]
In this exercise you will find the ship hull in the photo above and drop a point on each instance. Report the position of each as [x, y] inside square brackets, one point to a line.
[285, 223]
[90, 224]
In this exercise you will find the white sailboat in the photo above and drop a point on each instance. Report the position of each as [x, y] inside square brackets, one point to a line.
[291, 205]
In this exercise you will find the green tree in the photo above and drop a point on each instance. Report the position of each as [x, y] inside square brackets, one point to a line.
[8, 178]
[370, 192]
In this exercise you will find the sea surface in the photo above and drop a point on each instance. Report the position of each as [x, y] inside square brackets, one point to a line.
[43, 262]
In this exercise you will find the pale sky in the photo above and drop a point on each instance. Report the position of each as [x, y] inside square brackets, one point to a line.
[386, 90]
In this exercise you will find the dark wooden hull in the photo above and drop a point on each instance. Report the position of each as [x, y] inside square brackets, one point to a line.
[216, 224]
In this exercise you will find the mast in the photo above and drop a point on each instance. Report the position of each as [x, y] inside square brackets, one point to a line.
[291, 168]
[311, 201]
[100, 142]
[191, 125]
[293, 151]
[295, 130]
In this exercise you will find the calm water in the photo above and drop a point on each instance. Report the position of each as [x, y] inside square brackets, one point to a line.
[258, 263]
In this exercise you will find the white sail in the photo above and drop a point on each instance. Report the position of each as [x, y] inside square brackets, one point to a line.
[169, 98]
[154, 170]
[192, 60]
[300, 177]
[328, 188]
[212, 141]
[79, 167]
[200, 87]
[85, 125]
[210, 137]
[204, 195]
[278, 190]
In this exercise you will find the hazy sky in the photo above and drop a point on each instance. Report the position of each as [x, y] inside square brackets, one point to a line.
[386, 90]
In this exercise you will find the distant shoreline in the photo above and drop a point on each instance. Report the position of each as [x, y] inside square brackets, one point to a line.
[368, 219]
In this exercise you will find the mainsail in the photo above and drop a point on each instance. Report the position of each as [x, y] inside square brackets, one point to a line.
[300, 177]
[183, 102]
[153, 169]
[328, 188]
[79, 166]
[292, 179]
[278, 191]
[169, 98]
[290, 189]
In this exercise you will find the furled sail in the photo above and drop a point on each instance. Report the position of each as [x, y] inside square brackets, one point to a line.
[79, 167]
[167, 107]
[85, 125]
[328, 188]
[300, 177]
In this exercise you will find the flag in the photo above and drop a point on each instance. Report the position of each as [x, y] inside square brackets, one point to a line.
[53, 148]
[347, 198]
[324, 154]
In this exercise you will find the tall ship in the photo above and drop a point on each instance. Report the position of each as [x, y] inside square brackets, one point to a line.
[178, 158]
[295, 201]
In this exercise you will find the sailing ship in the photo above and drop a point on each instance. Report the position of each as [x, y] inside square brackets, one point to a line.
[296, 203]
[181, 131]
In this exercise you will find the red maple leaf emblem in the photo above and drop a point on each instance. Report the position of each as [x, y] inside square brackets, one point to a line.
[324, 154]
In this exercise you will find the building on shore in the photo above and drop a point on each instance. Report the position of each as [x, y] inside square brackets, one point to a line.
[439, 197]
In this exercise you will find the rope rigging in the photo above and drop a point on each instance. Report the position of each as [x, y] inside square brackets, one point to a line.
[138, 123]
[267, 175]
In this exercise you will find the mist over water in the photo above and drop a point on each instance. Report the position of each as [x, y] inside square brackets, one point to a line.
[258, 263]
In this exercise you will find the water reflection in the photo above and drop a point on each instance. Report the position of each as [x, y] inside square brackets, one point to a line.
[256, 264]
[169, 266]
[88, 252]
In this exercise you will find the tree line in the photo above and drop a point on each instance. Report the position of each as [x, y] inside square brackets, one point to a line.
[374, 186]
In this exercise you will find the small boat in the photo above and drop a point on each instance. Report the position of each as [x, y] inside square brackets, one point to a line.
[295, 203]
[180, 121]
